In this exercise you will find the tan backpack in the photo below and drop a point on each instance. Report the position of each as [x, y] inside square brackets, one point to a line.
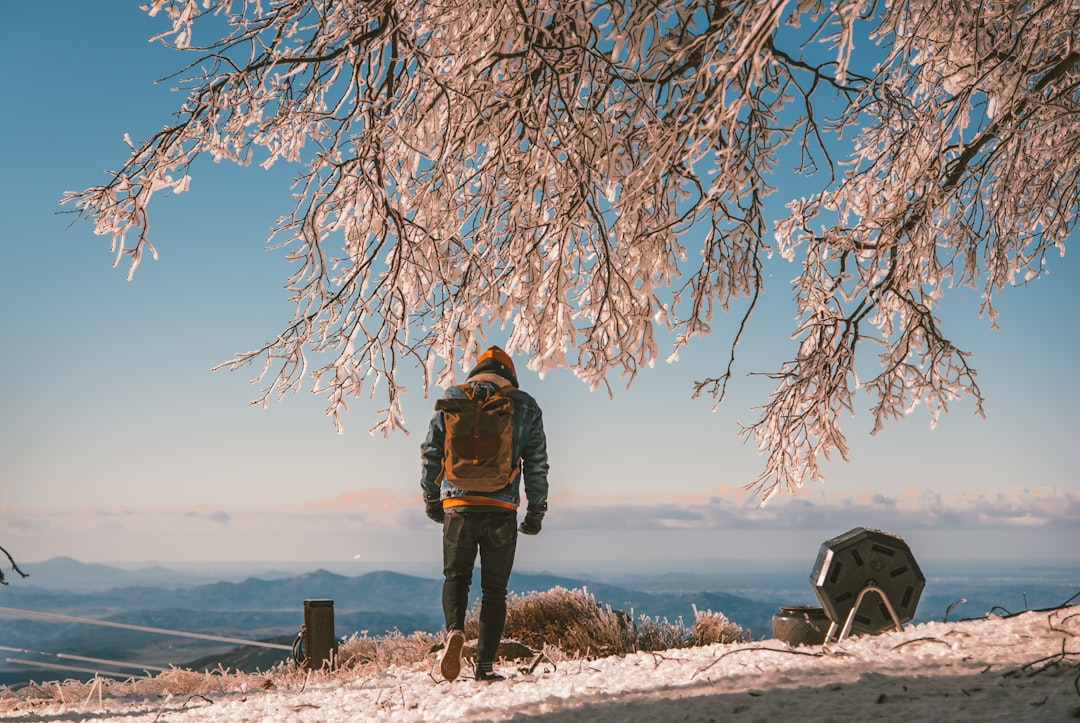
[479, 448]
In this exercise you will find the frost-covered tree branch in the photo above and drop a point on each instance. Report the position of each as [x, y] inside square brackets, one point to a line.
[590, 173]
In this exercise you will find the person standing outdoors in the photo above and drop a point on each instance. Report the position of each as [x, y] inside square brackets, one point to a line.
[483, 522]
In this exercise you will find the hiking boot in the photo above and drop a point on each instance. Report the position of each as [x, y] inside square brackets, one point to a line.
[450, 664]
[485, 674]
[488, 676]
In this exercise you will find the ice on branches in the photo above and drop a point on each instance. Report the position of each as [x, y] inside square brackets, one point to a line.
[592, 175]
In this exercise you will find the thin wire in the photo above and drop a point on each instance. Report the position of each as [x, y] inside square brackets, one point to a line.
[117, 663]
[84, 659]
[57, 666]
[144, 629]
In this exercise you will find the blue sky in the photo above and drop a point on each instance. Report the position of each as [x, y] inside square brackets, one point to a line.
[118, 444]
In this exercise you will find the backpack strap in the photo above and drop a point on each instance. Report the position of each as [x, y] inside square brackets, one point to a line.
[502, 385]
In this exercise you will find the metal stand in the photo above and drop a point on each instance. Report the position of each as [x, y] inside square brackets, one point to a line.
[855, 608]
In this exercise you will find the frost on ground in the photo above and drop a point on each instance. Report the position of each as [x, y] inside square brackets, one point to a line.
[1023, 667]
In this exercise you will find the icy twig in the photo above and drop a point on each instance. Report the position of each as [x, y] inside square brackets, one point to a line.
[658, 658]
[96, 685]
[743, 650]
[162, 708]
[1035, 667]
[194, 696]
[920, 640]
[1050, 622]
[952, 605]
[541, 656]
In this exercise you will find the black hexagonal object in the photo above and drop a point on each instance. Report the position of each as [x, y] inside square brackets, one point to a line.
[847, 564]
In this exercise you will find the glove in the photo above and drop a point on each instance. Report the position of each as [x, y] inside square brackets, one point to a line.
[531, 524]
[434, 510]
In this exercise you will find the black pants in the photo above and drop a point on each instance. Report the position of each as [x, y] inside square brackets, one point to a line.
[491, 531]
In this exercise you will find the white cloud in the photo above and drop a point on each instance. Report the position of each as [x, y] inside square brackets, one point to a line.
[387, 525]
[915, 508]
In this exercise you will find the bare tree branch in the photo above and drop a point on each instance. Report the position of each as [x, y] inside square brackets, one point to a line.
[14, 567]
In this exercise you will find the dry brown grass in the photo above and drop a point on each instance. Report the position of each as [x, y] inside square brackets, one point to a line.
[568, 620]
[364, 654]
[574, 623]
[564, 624]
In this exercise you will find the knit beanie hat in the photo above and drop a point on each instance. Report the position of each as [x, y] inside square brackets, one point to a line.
[496, 361]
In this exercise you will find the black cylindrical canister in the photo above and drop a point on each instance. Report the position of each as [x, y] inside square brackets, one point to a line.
[800, 625]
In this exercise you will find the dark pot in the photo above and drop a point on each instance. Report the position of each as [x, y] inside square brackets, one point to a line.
[800, 625]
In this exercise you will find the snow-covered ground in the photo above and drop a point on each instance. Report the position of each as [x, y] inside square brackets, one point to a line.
[1020, 668]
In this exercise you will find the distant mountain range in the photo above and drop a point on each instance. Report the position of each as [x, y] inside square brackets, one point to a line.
[270, 607]
[66, 573]
[260, 608]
